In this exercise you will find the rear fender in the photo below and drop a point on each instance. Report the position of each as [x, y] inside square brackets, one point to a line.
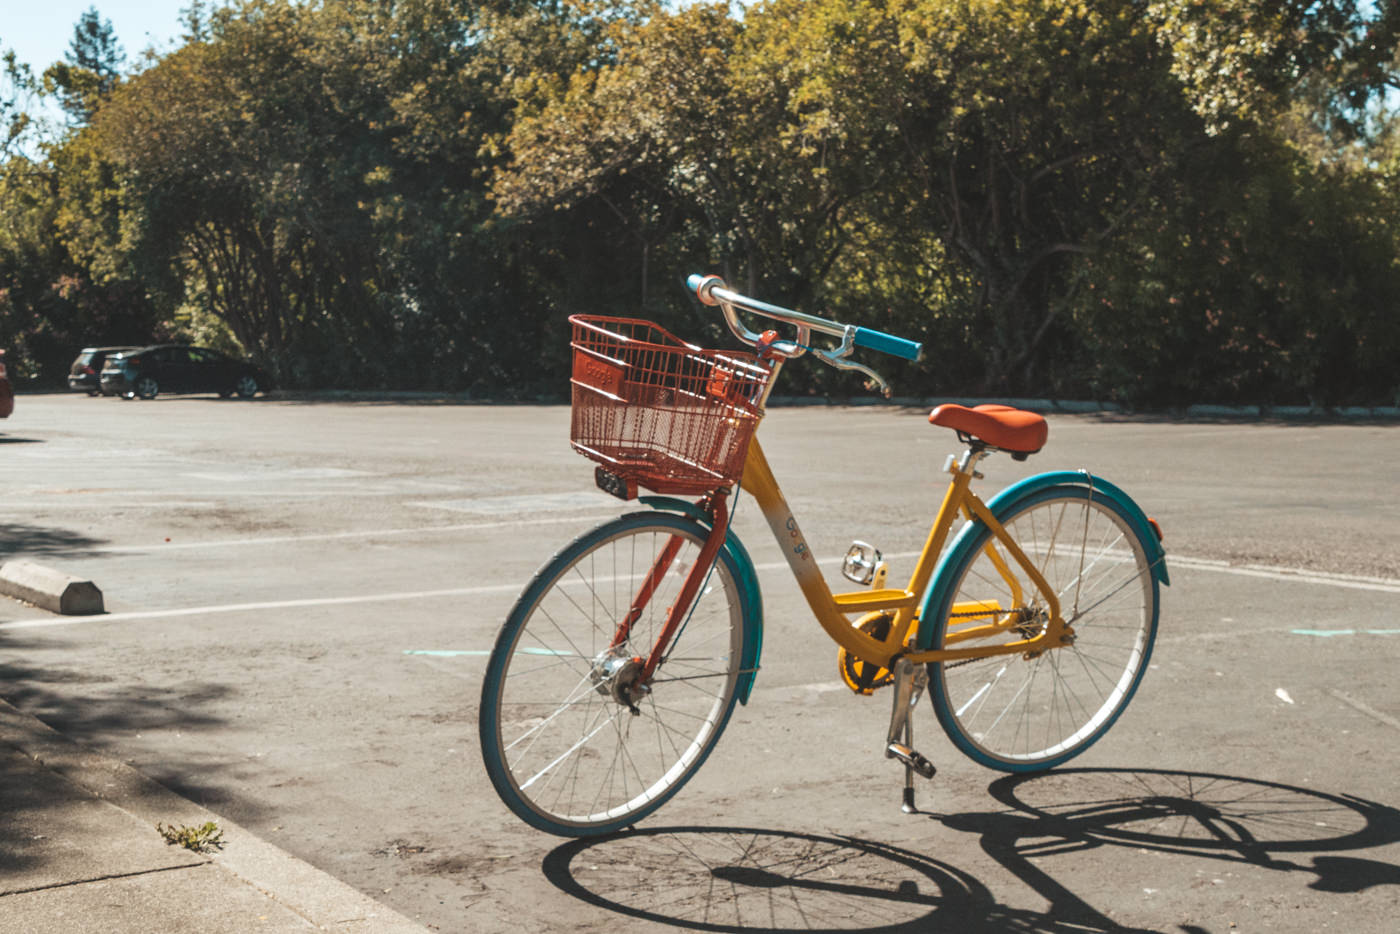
[1003, 502]
[1100, 487]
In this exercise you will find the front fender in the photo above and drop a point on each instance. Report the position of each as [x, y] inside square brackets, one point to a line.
[748, 589]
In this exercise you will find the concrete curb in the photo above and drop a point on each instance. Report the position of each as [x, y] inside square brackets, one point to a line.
[1082, 407]
[1067, 406]
[324, 901]
[49, 589]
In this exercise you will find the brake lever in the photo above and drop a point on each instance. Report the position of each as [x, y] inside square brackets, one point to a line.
[836, 357]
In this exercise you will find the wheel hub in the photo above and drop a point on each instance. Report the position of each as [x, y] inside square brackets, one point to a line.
[618, 677]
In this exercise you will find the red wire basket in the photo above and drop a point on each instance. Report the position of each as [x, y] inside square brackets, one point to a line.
[658, 412]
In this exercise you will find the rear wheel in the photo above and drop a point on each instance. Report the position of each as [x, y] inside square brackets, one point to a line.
[1022, 713]
[570, 742]
[246, 387]
[146, 387]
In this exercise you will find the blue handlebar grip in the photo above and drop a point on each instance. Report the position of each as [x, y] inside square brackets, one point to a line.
[888, 343]
[693, 281]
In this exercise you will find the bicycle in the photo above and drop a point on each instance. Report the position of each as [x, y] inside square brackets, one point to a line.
[617, 670]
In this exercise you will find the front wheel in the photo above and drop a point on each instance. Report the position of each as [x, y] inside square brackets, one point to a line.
[572, 745]
[246, 387]
[1021, 713]
[147, 387]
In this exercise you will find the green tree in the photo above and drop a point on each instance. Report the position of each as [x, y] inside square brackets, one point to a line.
[313, 176]
[689, 149]
[1254, 60]
[1258, 277]
[16, 88]
[91, 68]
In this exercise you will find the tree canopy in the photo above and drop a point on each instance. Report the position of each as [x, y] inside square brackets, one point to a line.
[1148, 201]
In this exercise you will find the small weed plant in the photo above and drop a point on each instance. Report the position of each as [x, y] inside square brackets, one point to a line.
[202, 839]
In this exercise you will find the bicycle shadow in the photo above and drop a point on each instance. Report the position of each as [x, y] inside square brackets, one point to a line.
[760, 881]
[756, 881]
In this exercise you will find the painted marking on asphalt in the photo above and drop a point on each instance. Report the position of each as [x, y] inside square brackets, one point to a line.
[288, 473]
[1328, 633]
[1383, 585]
[1271, 572]
[1365, 708]
[516, 505]
[445, 653]
[267, 605]
[453, 653]
[341, 536]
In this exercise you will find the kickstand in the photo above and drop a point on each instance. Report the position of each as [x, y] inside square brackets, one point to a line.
[909, 684]
[908, 807]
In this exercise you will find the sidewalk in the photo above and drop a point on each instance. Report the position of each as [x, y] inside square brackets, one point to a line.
[79, 852]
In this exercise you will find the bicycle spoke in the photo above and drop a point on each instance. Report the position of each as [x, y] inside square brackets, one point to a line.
[1020, 710]
[603, 750]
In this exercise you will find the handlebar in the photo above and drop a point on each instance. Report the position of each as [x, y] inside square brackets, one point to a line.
[888, 344]
[711, 290]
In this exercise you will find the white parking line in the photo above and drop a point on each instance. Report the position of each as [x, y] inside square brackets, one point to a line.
[1379, 584]
[341, 536]
[267, 605]
[1350, 581]
[1365, 708]
[516, 505]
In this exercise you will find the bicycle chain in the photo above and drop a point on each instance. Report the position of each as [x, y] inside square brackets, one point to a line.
[965, 661]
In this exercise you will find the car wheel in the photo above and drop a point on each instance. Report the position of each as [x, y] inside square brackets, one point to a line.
[147, 387]
[247, 386]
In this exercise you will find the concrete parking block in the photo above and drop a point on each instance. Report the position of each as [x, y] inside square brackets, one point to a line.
[50, 589]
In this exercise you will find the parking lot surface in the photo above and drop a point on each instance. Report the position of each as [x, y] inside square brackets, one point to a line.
[300, 596]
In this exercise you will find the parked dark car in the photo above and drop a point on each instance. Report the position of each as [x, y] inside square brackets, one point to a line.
[7, 394]
[86, 372]
[177, 368]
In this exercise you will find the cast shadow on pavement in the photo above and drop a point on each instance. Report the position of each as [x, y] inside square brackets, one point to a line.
[757, 881]
[94, 711]
[18, 540]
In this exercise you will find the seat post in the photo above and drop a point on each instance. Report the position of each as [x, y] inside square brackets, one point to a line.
[976, 451]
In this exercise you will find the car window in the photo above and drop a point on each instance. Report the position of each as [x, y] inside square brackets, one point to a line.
[200, 355]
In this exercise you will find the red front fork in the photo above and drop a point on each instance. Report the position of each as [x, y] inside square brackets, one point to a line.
[699, 571]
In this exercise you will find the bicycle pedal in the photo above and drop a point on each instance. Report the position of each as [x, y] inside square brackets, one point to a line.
[911, 758]
[861, 562]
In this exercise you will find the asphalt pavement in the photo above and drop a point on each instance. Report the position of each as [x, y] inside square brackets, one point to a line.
[82, 850]
[300, 595]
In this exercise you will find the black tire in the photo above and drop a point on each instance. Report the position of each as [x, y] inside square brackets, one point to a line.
[247, 386]
[146, 387]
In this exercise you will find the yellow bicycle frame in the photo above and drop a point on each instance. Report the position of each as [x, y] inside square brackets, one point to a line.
[831, 610]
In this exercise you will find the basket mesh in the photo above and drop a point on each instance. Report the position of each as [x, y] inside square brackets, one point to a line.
[651, 408]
